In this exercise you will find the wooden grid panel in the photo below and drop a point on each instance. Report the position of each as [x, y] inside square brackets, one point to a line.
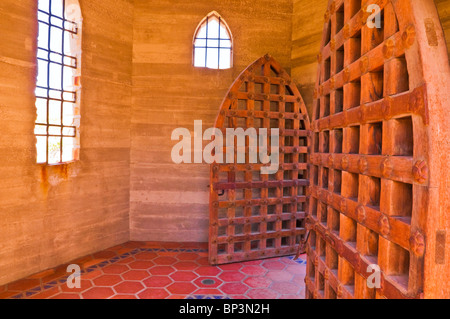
[261, 216]
[369, 181]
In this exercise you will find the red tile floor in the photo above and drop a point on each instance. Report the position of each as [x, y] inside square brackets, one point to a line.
[138, 270]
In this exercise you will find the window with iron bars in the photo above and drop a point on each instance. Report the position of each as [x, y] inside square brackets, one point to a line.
[58, 81]
[213, 47]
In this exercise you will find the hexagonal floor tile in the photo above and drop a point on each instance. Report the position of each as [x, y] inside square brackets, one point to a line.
[135, 275]
[274, 265]
[296, 269]
[277, 275]
[84, 285]
[98, 293]
[181, 288]
[231, 276]
[299, 280]
[258, 282]
[184, 276]
[165, 260]
[285, 288]
[234, 288]
[174, 274]
[153, 293]
[262, 294]
[185, 265]
[107, 280]
[208, 282]
[157, 281]
[129, 287]
[115, 269]
[93, 274]
[141, 264]
[254, 270]
[208, 271]
[208, 292]
[161, 270]
[288, 261]
[203, 261]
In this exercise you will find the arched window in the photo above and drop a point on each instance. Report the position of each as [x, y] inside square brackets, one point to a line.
[213, 43]
[58, 81]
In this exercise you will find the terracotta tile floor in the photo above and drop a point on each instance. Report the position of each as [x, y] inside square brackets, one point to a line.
[137, 270]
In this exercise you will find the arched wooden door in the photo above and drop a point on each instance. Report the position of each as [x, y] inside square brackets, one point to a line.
[379, 162]
[252, 215]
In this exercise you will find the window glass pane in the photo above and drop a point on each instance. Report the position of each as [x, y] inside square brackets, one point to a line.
[202, 32]
[53, 94]
[200, 43]
[67, 151]
[224, 33]
[42, 54]
[54, 130]
[56, 22]
[43, 17]
[70, 61]
[55, 112]
[55, 76]
[41, 92]
[68, 38]
[41, 147]
[40, 129]
[41, 106]
[42, 73]
[43, 5]
[68, 112]
[68, 78]
[213, 43]
[225, 59]
[200, 57]
[43, 36]
[212, 60]
[54, 150]
[56, 39]
[68, 131]
[69, 97]
[57, 8]
[55, 57]
[213, 28]
[225, 44]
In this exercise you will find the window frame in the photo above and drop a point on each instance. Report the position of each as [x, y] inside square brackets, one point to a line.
[222, 22]
[70, 24]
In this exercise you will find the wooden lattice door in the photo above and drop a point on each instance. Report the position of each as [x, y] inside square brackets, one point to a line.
[252, 215]
[379, 162]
